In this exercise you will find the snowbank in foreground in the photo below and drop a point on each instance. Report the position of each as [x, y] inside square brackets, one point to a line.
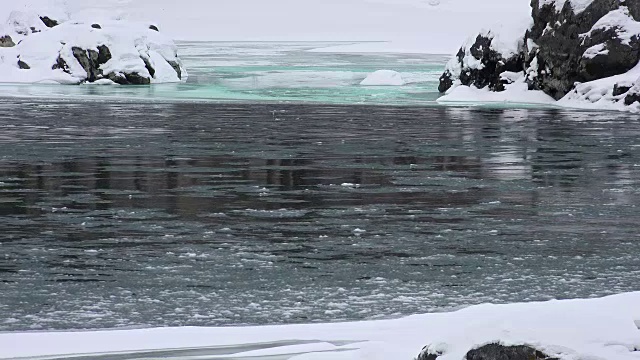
[383, 78]
[41, 47]
[606, 328]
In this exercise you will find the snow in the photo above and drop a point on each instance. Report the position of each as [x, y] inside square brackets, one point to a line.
[383, 78]
[620, 19]
[436, 27]
[595, 50]
[598, 94]
[605, 328]
[578, 6]
[515, 93]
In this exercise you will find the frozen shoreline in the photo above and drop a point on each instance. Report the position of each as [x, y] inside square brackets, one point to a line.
[605, 328]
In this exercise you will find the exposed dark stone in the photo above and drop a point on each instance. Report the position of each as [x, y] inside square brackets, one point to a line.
[147, 65]
[137, 79]
[104, 54]
[558, 35]
[34, 30]
[90, 60]
[176, 67]
[501, 352]
[23, 65]
[620, 57]
[493, 63]
[620, 89]
[128, 79]
[61, 64]
[634, 8]
[632, 97]
[427, 355]
[446, 81]
[153, 27]
[6, 41]
[96, 26]
[49, 22]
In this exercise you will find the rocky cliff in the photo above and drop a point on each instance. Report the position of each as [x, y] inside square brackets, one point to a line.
[581, 50]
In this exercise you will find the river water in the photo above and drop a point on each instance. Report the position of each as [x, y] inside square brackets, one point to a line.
[121, 214]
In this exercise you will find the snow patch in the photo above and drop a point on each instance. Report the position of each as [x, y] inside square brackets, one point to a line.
[578, 6]
[620, 20]
[517, 93]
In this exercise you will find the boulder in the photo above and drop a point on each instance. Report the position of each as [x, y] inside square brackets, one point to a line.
[91, 60]
[494, 351]
[153, 27]
[580, 47]
[75, 52]
[23, 65]
[6, 41]
[49, 22]
[632, 96]
[480, 63]
[426, 354]
[501, 352]
[564, 47]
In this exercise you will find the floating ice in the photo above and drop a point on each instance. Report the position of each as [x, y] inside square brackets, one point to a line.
[383, 78]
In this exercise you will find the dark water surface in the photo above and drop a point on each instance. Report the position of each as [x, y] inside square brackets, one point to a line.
[209, 214]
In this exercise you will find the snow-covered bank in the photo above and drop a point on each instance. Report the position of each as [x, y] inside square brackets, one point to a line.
[50, 47]
[435, 27]
[606, 328]
[584, 53]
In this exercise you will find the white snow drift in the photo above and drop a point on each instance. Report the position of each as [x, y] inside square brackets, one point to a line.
[44, 54]
[605, 328]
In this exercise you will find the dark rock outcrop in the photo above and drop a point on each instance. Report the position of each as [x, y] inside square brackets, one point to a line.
[633, 95]
[492, 65]
[128, 79]
[96, 26]
[428, 355]
[501, 352]
[49, 22]
[6, 41]
[561, 49]
[176, 67]
[495, 352]
[564, 37]
[60, 64]
[153, 27]
[23, 65]
[90, 60]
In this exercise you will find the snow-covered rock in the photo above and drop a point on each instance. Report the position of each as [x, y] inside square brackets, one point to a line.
[481, 61]
[41, 48]
[383, 78]
[574, 50]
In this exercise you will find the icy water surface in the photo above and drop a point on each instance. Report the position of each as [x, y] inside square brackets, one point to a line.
[171, 214]
[270, 72]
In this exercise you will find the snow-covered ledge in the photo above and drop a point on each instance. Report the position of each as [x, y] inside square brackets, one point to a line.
[38, 48]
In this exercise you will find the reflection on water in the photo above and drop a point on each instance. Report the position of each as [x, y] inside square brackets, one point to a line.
[194, 214]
